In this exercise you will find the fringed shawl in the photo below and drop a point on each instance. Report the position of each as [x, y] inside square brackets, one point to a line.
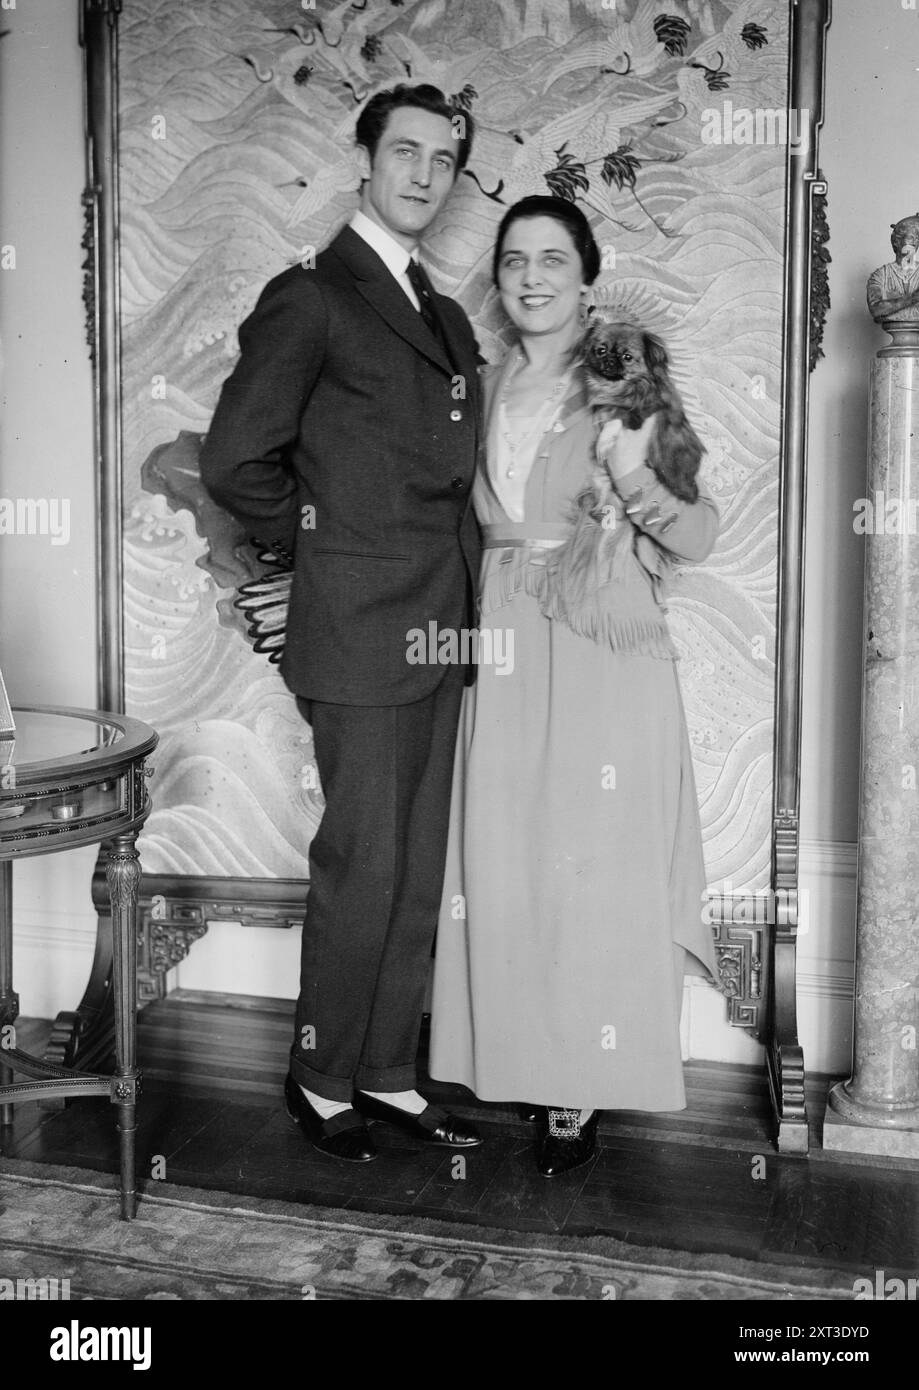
[594, 571]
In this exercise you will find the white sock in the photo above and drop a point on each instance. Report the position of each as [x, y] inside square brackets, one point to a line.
[403, 1100]
[323, 1107]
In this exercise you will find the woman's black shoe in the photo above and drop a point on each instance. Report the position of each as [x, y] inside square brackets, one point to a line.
[344, 1136]
[566, 1143]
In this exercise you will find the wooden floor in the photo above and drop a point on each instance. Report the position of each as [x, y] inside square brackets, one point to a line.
[706, 1179]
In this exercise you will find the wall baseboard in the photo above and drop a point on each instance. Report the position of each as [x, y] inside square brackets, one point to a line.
[828, 858]
[34, 928]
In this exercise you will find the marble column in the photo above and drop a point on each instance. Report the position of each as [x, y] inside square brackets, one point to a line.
[877, 1110]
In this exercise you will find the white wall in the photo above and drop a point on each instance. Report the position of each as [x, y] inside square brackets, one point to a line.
[47, 631]
[47, 592]
[867, 152]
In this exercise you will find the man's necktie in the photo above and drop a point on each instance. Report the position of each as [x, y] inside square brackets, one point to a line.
[422, 287]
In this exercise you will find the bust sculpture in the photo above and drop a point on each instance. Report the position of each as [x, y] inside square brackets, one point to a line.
[893, 289]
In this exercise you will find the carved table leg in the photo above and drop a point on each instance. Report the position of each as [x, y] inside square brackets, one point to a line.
[9, 1002]
[122, 871]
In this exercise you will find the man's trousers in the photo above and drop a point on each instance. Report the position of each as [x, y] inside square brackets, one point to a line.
[376, 874]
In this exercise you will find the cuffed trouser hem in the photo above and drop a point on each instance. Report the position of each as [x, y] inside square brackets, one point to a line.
[386, 1078]
[342, 1088]
[338, 1088]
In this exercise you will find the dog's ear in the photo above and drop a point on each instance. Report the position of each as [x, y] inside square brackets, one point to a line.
[589, 330]
[676, 453]
[655, 352]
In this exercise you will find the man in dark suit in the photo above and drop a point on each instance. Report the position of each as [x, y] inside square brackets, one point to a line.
[345, 438]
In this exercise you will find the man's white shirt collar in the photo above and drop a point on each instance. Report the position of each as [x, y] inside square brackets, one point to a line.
[393, 255]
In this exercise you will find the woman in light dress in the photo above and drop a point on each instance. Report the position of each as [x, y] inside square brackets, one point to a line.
[574, 885]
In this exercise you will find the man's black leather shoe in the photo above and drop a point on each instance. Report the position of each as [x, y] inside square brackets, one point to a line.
[560, 1153]
[343, 1136]
[432, 1126]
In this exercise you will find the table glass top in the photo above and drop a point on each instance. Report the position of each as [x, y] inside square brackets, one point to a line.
[45, 737]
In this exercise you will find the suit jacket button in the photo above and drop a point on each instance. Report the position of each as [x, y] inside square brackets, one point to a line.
[456, 415]
[456, 482]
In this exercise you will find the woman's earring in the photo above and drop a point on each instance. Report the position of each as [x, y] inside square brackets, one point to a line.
[587, 303]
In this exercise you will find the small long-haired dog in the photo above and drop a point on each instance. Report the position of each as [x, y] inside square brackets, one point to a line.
[627, 380]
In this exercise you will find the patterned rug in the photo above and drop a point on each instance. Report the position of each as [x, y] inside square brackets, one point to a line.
[187, 1244]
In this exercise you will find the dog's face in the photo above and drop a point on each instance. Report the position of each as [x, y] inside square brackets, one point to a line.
[622, 362]
[614, 350]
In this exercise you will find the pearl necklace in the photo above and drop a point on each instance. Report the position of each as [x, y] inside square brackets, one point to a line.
[519, 440]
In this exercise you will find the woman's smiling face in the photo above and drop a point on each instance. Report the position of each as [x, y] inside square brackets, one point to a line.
[540, 275]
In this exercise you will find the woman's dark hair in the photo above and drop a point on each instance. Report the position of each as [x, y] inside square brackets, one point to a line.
[371, 123]
[571, 218]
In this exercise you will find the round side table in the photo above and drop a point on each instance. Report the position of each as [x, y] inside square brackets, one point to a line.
[76, 777]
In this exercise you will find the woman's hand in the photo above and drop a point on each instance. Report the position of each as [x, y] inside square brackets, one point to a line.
[622, 450]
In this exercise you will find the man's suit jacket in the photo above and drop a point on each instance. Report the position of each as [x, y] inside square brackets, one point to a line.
[344, 403]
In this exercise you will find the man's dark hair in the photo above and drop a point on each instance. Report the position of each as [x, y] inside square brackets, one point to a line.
[571, 217]
[371, 123]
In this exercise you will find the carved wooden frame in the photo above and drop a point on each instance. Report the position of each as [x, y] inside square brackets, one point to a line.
[757, 957]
